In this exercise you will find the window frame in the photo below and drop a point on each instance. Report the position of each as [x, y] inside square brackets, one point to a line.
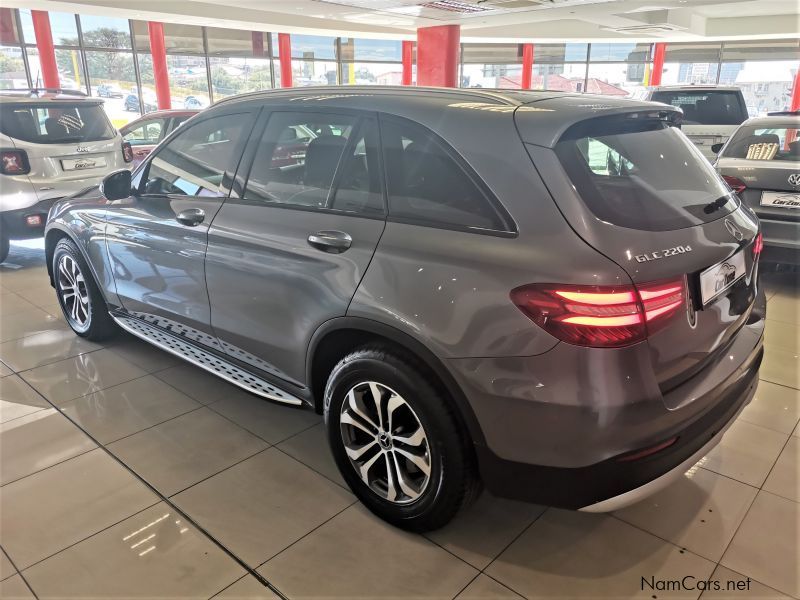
[228, 177]
[509, 225]
[248, 159]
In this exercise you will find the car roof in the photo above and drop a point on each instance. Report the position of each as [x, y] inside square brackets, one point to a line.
[774, 121]
[698, 88]
[39, 95]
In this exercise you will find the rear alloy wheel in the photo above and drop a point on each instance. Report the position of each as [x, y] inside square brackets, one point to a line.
[81, 301]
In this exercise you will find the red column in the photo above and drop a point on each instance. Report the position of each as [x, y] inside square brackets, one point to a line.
[285, 56]
[160, 73]
[47, 54]
[527, 66]
[408, 61]
[437, 55]
[658, 63]
[795, 105]
[7, 35]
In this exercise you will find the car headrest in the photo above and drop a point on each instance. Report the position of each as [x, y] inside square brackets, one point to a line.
[322, 157]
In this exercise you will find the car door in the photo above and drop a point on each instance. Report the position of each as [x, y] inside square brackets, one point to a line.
[288, 254]
[156, 238]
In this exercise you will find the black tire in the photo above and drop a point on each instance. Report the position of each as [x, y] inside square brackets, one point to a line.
[452, 482]
[5, 247]
[98, 324]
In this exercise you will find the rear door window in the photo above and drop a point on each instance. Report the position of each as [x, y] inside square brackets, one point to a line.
[145, 134]
[765, 143]
[705, 107]
[642, 174]
[429, 185]
[56, 123]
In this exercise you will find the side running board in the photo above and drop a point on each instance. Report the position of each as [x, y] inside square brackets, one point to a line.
[205, 360]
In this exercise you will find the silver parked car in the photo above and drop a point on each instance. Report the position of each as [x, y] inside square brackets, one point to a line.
[550, 294]
[711, 113]
[761, 163]
[53, 143]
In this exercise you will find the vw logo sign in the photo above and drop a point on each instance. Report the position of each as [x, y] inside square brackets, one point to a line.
[794, 179]
[733, 230]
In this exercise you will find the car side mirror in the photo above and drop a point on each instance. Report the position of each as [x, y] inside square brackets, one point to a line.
[715, 148]
[116, 185]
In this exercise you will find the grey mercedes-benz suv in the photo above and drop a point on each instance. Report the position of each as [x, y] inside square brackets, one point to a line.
[550, 294]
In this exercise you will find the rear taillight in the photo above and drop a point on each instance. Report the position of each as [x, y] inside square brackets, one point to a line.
[758, 245]
[600, 316]
[127, 152]
[736, 184]
[14, 162]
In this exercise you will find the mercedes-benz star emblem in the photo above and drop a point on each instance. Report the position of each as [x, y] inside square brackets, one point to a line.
[733, 230]
[794, 179]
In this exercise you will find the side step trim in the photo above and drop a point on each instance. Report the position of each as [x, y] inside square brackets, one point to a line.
[205, 360]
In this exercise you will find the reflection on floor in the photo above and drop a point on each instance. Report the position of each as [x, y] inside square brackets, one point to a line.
[238, 487]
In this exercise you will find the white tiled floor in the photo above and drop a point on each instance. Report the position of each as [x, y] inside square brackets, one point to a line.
[126, 473]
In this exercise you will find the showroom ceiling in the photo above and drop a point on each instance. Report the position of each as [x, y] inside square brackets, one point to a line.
[480, 20]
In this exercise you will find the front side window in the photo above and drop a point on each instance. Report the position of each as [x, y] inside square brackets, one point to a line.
[55, 123]
[194, 163]
[765, 143]
[147, 133]
[427, 185]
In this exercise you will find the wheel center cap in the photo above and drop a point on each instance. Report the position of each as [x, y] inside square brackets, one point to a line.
[385, 440]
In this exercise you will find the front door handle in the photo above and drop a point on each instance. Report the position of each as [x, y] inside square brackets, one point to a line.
[334, 242]
[191, 217]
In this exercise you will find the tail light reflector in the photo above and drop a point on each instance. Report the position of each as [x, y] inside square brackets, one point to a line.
[14, 162]
[736, 184]
[758, 245]
[127, 152]
[600, 316]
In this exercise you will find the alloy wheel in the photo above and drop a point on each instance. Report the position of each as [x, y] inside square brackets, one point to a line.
[74, 293]
[385, 442]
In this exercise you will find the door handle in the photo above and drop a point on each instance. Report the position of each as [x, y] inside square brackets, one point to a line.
[191, 217]
[334, 242]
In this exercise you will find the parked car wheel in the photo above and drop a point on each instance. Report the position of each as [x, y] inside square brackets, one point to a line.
[396, 440]
[5, 246]
[83, 305]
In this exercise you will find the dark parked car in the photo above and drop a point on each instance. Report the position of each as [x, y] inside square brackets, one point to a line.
[132, 103]
[108, 90]
[761, 162]
[553, 295]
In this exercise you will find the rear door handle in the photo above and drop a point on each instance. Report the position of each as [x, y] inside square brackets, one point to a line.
[334, 242]
[191, 217]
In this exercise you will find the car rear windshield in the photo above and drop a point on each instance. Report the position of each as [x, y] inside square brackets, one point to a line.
[51, 123]
[642, 174]
[705, 107]
[765, 143]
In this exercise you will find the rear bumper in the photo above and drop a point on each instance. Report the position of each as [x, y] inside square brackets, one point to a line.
[781, 240]
[15, 227]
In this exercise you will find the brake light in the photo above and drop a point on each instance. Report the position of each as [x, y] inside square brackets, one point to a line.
[736, 184]
[758, 245]
[127, 152]
[600, 316]
[14, 162]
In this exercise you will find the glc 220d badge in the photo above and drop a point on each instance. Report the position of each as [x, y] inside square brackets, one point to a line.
[659, 254]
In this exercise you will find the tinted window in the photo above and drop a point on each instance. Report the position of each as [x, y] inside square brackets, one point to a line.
[194, 162]
[146, 133]
[642, 174]
[705, 107]
[358, 188]
[765, 143]
[297, 158]
[51, 123]
[427, 184]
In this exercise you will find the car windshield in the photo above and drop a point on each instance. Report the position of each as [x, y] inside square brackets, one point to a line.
[765, 143]
[55, 123]
[705, 107]
[642, 174]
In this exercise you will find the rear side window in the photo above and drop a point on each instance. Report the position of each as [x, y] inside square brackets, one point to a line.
[55, 123]
[148, 133]
[642, 174]
[195, 161]
[765, 143]
[428, 185]
[708, 107]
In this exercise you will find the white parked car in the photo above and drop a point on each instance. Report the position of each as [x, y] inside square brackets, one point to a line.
[53, 143]
[711, 113]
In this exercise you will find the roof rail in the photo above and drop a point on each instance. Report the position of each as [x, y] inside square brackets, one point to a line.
[784, 113]
[38, 91]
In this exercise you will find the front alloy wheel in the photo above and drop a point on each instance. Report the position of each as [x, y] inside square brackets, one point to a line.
[74, 293]
[385, 442]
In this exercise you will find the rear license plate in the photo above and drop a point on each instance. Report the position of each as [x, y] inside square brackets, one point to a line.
[781, 199]
[715, 280]
[79, 164]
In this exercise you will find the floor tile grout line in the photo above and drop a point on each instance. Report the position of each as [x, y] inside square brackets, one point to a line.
[231, 466]
[469, 583]
[61, 462]
[777, 383]
[21, 371]
[169, 502]
[772, 468]
[148, 428]
[738, 527]
[33, 412]
[210, 405]
[18, 572]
